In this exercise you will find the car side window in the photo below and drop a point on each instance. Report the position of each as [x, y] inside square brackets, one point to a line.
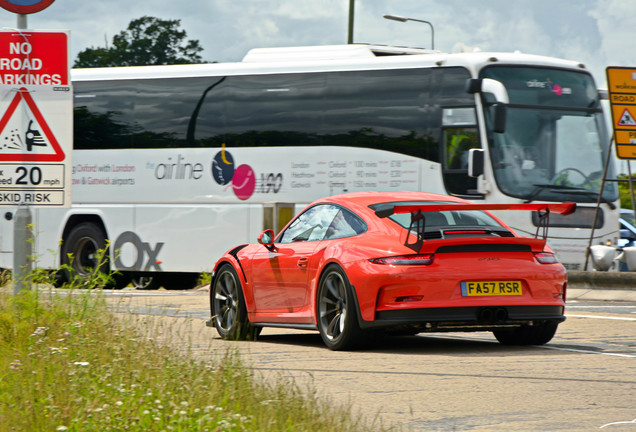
[345, 224]
[311, 225]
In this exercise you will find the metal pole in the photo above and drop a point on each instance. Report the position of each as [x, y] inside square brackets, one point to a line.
[22, 249]
[22, 229]
[631, 187]
[22, 21]
[405, 19]
[598, 203]
[351, 13]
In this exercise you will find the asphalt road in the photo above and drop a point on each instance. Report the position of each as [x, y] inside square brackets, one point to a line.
[585, 379]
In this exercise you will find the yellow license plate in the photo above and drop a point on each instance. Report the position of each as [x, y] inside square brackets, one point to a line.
[491, 288]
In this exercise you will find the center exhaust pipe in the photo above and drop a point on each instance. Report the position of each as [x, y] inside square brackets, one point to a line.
[492, 315]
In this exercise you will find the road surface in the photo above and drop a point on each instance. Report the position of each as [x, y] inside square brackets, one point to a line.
[585, 379]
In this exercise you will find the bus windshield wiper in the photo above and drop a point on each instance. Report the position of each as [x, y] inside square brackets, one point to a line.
[562, 189]
[541, 187]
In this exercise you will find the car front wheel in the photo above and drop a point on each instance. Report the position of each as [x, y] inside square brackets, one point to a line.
[228, 307]
[337, 315]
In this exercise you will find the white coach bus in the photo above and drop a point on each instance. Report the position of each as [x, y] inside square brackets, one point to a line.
[176, 164]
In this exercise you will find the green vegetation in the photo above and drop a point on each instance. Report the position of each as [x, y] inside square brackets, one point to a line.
[623, 191]
[67, 363]
[146, 41]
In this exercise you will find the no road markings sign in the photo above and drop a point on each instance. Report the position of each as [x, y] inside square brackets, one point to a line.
[36, 124]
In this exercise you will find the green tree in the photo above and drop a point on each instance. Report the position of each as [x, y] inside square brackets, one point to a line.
[624, 193]
[146, 41]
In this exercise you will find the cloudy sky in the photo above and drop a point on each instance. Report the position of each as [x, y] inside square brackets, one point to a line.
[598, 33]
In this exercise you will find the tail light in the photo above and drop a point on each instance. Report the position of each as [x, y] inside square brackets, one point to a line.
[419, 259]
[546, 258]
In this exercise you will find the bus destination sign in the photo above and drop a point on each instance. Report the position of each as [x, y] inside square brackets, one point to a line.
[621, 83]
[36, 130]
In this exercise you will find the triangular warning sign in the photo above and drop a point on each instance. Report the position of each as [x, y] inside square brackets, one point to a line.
[626, 119]
[33, 143]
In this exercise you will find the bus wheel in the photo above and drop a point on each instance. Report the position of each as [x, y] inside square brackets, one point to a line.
[145, 282]
[179, 281]
[81, 257]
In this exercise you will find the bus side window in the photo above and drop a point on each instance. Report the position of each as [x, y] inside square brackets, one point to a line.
[103, 114]
[457, 142]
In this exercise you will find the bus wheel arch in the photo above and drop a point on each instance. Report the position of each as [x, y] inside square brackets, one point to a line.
[83, 236]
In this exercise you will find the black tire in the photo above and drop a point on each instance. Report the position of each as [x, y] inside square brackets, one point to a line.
[177, 281]
[539, 334]
[228, 307]
[83, 243]
[337, 314]
[142, 282]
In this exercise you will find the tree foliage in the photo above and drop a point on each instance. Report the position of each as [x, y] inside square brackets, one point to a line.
[624, 192]
[146, 41]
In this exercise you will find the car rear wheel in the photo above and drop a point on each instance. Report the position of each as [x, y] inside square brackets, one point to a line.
[228, 307]
[337, 315]
[528, 335]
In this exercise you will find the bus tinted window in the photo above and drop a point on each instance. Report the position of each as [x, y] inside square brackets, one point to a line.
[384, 110]
[133, 114]
[393, 110]
[163, 108]
[274, 110]
[103, 115]
[563, 88]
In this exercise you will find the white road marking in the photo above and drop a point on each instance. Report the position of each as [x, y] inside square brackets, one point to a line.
[556, 348]
[586, 351]
[601, 317]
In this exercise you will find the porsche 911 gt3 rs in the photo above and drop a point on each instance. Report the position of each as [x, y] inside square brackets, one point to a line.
[408, 262]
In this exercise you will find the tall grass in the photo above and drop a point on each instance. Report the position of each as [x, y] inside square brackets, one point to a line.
[68, 364]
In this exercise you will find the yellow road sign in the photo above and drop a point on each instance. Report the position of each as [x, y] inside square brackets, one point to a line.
[621, 82]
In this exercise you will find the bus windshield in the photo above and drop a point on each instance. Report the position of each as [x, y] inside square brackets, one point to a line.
[555, 142]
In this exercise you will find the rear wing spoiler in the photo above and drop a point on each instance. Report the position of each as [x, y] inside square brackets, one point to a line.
[418, 219]
[386, 210]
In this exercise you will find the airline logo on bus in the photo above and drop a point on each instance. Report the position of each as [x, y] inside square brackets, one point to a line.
[549, 85]
[241, 179]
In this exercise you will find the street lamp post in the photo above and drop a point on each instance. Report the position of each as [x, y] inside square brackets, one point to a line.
[351, 13]
[405, 19]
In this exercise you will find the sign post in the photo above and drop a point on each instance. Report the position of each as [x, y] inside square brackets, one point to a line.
[36, 131]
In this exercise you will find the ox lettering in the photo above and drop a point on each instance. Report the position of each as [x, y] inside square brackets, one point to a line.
[142, 248]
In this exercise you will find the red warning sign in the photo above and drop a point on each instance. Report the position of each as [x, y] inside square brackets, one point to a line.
[30, 57]
[626, 119]
[35, 144]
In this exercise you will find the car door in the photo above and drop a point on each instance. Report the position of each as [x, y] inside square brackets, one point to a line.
[280, 276]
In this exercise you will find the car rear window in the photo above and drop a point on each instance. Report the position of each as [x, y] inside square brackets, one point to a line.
[437, 223]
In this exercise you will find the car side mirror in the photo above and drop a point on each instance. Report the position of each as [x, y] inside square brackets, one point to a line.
[266, 238]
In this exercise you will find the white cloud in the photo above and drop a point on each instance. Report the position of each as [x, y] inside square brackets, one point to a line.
[595, 32]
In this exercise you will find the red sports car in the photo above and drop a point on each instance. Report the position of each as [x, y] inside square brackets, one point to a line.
[406, 262]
